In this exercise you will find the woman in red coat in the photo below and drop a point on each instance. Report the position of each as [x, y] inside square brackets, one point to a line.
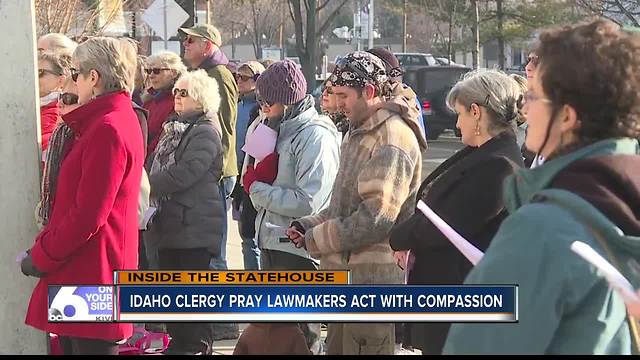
[163, 69]
[93, 224]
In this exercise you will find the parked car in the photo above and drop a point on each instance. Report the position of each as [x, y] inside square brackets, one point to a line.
[443, 61]
[432, 84]
[410, 61]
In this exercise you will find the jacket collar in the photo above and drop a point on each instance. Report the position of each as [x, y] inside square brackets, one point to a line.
[80, 119]
[217, 58]
[191, 117]
[471, 156]
[402, 103]
[520, 187]
[248, 97]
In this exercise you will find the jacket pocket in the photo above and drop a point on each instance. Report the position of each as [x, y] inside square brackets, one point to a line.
[171, 215]
[374, 345]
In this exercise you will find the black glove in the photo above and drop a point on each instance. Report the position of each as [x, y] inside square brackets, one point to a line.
[29, 269]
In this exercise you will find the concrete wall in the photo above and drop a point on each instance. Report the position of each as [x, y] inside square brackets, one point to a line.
[19, 171]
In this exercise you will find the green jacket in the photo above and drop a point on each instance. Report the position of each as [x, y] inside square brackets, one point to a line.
[565, 305]
[215, 67]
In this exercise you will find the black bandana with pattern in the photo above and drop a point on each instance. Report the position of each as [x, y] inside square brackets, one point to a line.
[358, 69]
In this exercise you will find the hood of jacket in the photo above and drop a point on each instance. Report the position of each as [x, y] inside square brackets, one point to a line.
[217, 58]
[306, 116]
[604, 174]
[401, 102]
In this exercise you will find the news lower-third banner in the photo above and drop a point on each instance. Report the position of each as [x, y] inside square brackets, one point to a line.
[274, 303]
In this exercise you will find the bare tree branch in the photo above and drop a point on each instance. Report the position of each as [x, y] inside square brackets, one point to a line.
[330, 18]
[322, 6]
[296, 12]
[626, 12]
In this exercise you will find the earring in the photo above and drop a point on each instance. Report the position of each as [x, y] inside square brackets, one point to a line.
[93, 94]
[478, 128]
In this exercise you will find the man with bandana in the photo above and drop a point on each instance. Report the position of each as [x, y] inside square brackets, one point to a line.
[376, 186]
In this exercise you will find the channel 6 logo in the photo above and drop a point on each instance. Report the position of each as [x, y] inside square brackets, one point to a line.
[66, 305]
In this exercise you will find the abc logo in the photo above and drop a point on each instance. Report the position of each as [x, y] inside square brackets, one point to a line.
[55, 315]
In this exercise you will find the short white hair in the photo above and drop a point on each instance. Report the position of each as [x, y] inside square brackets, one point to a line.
[169, 60]
[59, 43]
[114, 59]
[203, 89]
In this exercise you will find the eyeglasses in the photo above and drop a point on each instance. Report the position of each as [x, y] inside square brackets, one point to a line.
[534, 60]
[242, 77]
[74, 74]
[182, 92]
[328, 90]
[155, 71]
[262, 102]
[530, 97]
[191, 39]
[41, 72]
[68, 98]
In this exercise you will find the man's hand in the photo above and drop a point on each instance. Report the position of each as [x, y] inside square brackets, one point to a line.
[295, 233]
[295, 236]
[401, 258]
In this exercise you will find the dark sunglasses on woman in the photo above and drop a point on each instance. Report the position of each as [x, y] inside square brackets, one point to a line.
[182, 92]
[534, 60]
[41, 72]
[155, 71]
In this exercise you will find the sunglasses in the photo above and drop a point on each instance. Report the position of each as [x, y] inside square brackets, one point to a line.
[243, 77]
[534, 60]
[182, 92]
[68, 98]
[41, 72]
[262, 102]
[74, 74]
[155, 71]
[190, 39]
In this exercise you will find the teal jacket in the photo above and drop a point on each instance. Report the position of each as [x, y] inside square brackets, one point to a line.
[565, 305]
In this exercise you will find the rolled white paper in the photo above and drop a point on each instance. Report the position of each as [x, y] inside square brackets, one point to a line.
[472, 253]
[617, 281]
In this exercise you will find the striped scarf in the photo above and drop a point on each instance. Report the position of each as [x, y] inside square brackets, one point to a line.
[55, 154]
[164, 157]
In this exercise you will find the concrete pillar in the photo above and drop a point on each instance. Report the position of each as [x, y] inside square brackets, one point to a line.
[19, 172]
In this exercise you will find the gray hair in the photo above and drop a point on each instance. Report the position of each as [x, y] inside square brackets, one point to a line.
[203, 89]
[59, 43]
[169, 60]
[114, 59]
[494, 90]
[60, 63]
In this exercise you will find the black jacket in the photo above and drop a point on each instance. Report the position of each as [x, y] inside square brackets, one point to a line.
[193, 216]
[466, 192]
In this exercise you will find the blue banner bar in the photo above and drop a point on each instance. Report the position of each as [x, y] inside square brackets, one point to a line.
[333, 303]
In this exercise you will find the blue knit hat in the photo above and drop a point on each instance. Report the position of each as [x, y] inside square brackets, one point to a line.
[282, 83]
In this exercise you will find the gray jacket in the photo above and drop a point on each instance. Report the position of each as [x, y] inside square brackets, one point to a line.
[194, 214]
[309, 152]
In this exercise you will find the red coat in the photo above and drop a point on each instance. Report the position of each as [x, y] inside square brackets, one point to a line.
[93, 229]
[159, 107]
[49, 115]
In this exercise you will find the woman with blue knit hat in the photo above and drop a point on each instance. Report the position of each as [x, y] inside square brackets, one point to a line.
[296, 179]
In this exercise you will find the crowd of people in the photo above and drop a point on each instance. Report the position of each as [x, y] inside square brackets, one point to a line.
[547, 160]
